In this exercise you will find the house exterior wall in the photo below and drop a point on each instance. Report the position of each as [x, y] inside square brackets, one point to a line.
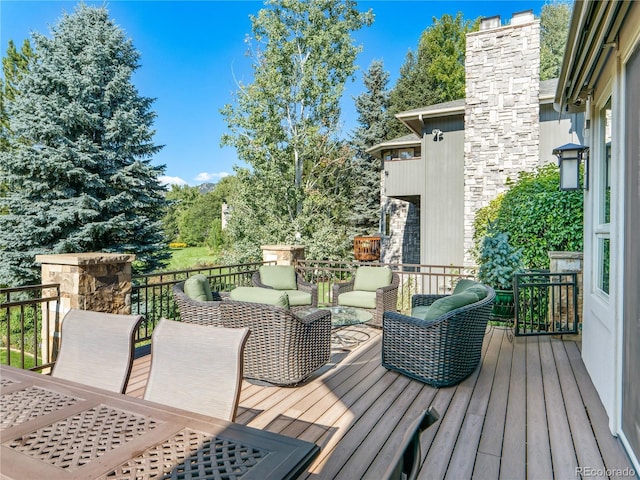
[600, 75]
[442, 203]
[501, 114]
[556, 130]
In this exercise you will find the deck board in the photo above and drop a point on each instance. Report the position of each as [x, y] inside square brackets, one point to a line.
[530, 411]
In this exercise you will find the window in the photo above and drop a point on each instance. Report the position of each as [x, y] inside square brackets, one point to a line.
[603, 192]
[405, 153]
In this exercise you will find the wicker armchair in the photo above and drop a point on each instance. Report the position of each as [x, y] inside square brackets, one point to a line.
[440, 352]
[386, 298]
[194, 311]
[282, 348]
[302, 285]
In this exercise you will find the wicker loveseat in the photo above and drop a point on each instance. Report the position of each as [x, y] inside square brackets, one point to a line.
[439, 351]
[282, 348]
[374, 289]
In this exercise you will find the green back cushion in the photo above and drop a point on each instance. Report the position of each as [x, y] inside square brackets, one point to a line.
[197, 288]
[369, 279]
[260, 295]
[451, 302]
[279, 277]
[466, 285]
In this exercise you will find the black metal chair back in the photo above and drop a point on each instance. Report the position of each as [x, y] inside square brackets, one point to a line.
[406, 463]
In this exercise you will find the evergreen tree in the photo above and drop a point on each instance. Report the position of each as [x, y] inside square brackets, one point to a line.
[372, 129]
[14, 67]
[284, 125]
[435, 72]
[80, 178]
[554, 29]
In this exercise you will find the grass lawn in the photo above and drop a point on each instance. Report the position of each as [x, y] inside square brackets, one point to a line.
[190, 257]
[15, 358]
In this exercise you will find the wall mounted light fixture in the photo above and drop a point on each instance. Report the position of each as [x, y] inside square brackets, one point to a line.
[569, 158]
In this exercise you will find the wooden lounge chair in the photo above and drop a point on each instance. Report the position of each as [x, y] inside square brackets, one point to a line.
[96, 349]
[196, 367]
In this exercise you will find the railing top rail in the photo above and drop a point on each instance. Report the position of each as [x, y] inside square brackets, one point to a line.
[244, 266]
[28, 287]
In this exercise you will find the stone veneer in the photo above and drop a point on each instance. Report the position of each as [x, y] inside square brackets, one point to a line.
[501, 112]
[88, 281]
[402, 243]
[282, 254]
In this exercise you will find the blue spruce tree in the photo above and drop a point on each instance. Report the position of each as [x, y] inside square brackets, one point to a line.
[78, 170]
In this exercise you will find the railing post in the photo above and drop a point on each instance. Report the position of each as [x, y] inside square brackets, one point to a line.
[89, 281]
[282, 254]
[569, 262]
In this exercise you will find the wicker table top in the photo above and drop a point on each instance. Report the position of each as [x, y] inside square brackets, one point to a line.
[52, 428]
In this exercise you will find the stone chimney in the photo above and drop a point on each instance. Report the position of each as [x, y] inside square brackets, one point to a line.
[501, 111]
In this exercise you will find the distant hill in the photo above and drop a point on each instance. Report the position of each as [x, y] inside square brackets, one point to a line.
[206, 187]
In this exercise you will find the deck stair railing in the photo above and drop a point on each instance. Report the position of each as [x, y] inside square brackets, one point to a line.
[545, 303]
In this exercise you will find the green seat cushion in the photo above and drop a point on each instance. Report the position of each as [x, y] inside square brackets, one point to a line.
[197, 288]
[369, 279]
[358, 298]
[260, 295]
[451, 302]
[466, 285]
[279, 277]
[298, 298]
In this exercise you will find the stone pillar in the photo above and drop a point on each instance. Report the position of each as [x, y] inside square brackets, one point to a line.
[569, 262]
[502, 67]
[282, 254]
[88, 281]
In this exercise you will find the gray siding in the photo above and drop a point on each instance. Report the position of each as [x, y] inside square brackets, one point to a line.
[557, 130]
[442, 205]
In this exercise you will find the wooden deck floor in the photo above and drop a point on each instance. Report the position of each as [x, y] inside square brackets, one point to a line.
[530, 411]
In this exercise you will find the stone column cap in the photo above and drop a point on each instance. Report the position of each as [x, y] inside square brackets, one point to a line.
[562, 254]
[281, 247]
[91, 258]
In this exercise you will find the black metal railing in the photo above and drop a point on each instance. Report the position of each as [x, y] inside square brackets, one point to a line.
[152, 297]
[28, 316]
[546, 303]
[414, 278]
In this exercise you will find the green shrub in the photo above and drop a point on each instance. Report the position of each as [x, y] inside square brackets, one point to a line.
[498, 260]
[537, 216]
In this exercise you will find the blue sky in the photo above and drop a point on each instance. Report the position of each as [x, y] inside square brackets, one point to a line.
[192, 53]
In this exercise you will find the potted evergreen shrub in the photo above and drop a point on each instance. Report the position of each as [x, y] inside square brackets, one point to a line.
[498, 262]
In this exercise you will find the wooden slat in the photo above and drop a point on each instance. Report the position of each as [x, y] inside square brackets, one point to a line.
[586, 447]
[464, 454]
[490, 447]
[610, 448]
[526, 413]
[514, 456]
[563, 454]
[538, 449]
